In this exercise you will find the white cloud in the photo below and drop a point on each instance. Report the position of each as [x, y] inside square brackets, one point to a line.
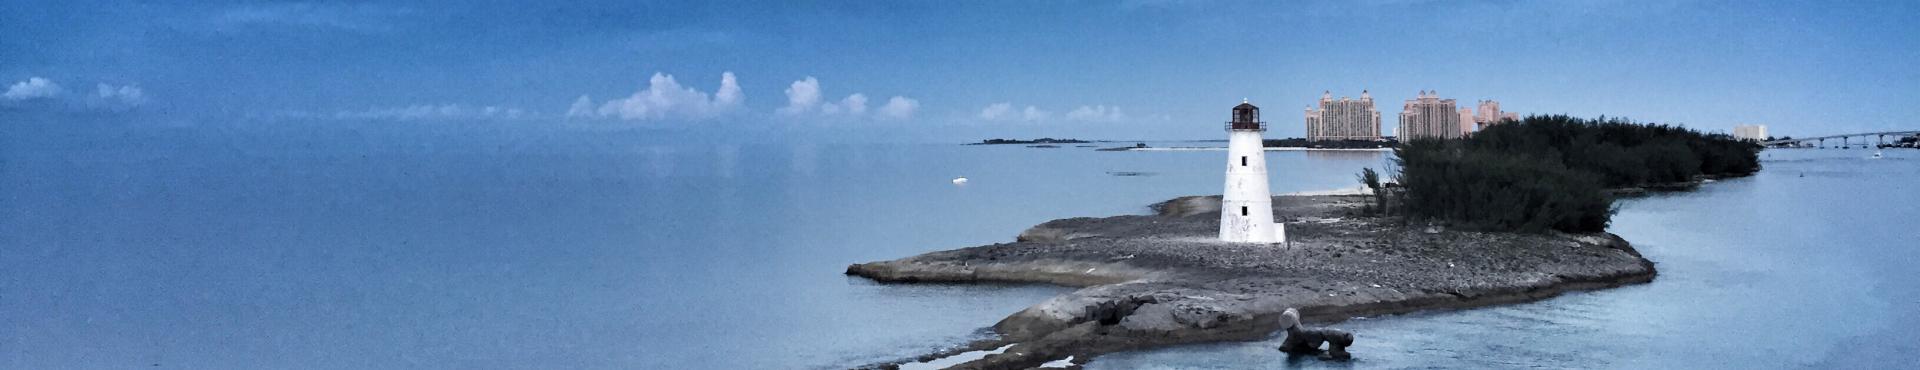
[665, 98]
[1004, 112]
[118, 97]
[802, 96]
[855, 104]
[1033, 113]
[996, 111]
[729, 94]
[32, 88]
[852, 105]
[805, 97]
[1097, 113]
[42, 93]
[429, 112]
[899, 108]
[509, 113]
[1087, 113]
[582, 107]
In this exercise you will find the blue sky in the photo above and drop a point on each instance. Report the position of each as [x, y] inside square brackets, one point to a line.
[1118, 70]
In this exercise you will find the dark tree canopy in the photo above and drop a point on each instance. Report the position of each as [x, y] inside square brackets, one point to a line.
[1551, 172]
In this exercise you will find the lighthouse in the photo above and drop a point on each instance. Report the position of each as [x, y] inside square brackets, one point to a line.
[1246, 207]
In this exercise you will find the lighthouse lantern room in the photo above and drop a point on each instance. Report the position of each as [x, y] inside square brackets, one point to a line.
[1246, 207]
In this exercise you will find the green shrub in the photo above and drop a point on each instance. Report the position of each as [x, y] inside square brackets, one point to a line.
[1621, 152]
[1667, 162]
[1490, 191]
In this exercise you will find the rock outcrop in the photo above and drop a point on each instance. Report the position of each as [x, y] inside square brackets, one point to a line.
[1306, 341]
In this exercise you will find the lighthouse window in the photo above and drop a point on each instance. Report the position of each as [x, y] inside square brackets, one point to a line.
[1243, 210]
[1243, 161]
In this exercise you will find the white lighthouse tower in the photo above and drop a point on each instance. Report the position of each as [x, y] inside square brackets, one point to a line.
[1246, 208]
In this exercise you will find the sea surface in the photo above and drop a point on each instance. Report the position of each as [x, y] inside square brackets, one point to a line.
[394, 246]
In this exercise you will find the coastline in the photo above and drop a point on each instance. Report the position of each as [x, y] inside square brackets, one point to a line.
[1649, 189]
[1162, 279]
[1270, 149]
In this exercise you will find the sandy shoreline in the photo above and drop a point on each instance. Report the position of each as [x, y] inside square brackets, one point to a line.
[1163, 279]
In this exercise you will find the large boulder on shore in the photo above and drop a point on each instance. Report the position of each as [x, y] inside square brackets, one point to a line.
[1306, 341]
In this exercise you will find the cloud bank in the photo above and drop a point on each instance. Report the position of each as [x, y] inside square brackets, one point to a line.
[407, 113]
[899, 108]
[427, 112]
[32, 88]
[1004, 112]
[117, 97]
[44, 93]
[664, 98]
[804, 98]
[1097, 113]
[1033, 113]
[996, 111]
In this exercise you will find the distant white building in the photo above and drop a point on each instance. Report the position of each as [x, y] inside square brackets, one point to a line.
[1246, 206]
[1750, 132]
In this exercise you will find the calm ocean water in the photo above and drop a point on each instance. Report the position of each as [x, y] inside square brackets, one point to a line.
[377, 247]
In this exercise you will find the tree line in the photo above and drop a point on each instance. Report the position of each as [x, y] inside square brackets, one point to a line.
[1552, 172]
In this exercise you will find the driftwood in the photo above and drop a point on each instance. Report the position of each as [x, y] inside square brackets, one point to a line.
[1303, 341]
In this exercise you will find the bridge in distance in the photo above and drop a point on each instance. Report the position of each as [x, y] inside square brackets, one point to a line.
[1845, 140]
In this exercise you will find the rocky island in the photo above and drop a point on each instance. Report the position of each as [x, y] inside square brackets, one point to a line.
[1165, 278]
[1516, 212]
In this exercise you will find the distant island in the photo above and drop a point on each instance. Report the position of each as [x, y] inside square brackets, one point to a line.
[1044, 140]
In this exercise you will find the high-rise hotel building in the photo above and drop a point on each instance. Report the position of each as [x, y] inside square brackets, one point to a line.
[1344, 119]
[1466, 121]
[1490, 114]
[1430, 117]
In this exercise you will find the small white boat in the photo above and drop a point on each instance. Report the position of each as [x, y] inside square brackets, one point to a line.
[1876, 154]
[960, 180]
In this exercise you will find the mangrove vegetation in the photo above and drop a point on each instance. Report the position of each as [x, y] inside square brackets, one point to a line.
[1554, 172]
